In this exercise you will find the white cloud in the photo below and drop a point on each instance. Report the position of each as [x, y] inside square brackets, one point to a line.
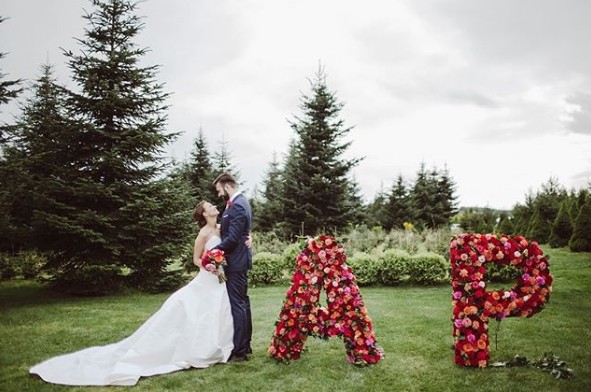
[498, 91]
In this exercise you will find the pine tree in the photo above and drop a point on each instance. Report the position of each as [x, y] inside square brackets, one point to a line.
[562, 228]
[35, 167]
[270, 210]
[377, 210]
[423, 199]
[398, 206]
[445, 198]
[580, 241]
[9, 89]
[546, 205]
[317, 193]
[115, 209]
[522, 214]
[201, 173]
[505, 225]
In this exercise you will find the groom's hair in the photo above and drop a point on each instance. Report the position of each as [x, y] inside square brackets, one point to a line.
[225, 178]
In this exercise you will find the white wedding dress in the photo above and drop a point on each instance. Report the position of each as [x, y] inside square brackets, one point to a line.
[193, 328]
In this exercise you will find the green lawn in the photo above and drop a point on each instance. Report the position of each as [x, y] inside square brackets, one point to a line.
[412, 325]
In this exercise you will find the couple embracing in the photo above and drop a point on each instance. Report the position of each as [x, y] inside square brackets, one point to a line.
[203, 323]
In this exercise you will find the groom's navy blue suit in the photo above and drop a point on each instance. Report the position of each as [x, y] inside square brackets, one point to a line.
[235, 228]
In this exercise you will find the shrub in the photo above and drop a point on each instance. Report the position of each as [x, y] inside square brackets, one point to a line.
[267, 268]
[581, 238]
[362, 239]
[437, 241]
[364, 267]
[24, 265]
[501, 273]
[393, 267]
[87, 280]
[427, 268]
[407, 240]
[562, 228]
[267, 242]
[170, 281]
[290, 255]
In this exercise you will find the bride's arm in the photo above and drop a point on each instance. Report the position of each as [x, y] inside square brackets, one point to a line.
[198, 249]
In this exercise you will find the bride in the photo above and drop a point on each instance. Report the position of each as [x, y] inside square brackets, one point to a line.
[193, 328]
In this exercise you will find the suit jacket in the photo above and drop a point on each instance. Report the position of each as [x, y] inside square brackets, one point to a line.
[235, 228]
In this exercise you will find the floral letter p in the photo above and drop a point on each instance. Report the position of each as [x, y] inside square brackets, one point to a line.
[473, 305]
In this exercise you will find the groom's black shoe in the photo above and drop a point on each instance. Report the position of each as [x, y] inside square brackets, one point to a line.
[235, 358]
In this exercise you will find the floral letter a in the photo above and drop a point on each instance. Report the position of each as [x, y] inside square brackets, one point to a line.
[322, 263]
[473, 305]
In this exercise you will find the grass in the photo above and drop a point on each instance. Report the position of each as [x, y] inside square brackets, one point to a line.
[412, 325]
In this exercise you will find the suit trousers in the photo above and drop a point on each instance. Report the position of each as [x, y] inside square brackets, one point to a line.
[237, 286]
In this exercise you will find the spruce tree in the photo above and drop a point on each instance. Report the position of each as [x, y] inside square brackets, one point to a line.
[317, 193]
[398, 206]
[505, 225]
[201, 173]
[522, 214]
[580, 241]
[35, 169]
[445, 198]
[9, 89]
[562, 227]
[270, 209]
[377, 210]
[423, 199]
[116, 209]
[545, 209]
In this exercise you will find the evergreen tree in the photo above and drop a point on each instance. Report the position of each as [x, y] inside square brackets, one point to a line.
[113, 210]
[34, 170]
[423, 199]
[562, 228]
[522, 214]
[317, 193]
[505, 225]
[445, 198]
[9, 89]
[580, 241]
[546, 205]
[398, 206]
[222, 161]
[201, 175]
[270, 209]
[377, 210]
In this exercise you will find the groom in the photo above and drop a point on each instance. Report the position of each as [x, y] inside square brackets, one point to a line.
[235, 228]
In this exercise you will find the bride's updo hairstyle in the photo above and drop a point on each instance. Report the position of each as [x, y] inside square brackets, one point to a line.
[198, 213]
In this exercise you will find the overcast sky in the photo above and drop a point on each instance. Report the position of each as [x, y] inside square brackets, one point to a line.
[499, 91]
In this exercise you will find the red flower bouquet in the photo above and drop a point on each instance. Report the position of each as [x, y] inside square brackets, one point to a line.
[214, 261]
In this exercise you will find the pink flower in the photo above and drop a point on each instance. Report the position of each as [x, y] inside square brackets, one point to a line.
[458, 295]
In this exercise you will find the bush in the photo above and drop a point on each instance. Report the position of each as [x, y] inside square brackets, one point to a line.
[364, 267]
[267, 268]
[407, 240]
[437, 241]
[170, 281]
[362, 239]
[393, 267]
[501, 273]
[427, 268]
[290, 255]
[267, 242]
[24, 265]
[87, 280]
